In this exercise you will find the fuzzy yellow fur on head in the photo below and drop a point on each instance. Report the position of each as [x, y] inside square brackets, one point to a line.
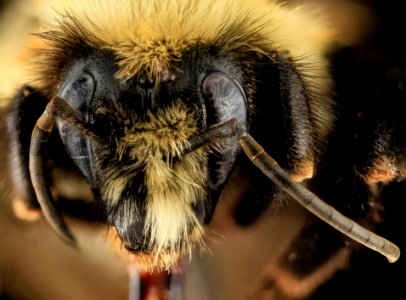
[146, 36]
[149, 34]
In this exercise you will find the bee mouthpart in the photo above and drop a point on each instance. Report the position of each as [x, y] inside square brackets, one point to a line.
[212, 135]
[148, 262]
[136, 248]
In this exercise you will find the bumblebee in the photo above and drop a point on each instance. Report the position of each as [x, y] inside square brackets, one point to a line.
[155, 104]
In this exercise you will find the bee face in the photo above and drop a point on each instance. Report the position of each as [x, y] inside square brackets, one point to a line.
[154, 191]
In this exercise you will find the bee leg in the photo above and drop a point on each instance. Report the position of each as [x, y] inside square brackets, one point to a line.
[383, 151]
[370, 97]
[382, 159]
[22, 113]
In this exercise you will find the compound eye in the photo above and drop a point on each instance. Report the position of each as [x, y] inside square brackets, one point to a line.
[224, 98]
[79, 90]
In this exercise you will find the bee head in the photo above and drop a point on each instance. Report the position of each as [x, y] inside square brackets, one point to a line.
[155, 190]
[146, 90]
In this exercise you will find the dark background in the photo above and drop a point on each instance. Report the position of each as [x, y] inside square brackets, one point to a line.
[370, 78]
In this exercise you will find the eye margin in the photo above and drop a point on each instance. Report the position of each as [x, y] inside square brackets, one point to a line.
[79, 90]
[224, 98]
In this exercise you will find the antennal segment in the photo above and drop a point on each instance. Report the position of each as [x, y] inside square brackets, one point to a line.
[313, 203]
[39, 139]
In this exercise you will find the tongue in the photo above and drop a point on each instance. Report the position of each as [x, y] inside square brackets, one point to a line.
[156, 285]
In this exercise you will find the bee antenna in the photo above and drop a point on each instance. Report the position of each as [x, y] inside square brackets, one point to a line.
[214, 133]
[39, 140]
[313, 203]
[67, 113]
